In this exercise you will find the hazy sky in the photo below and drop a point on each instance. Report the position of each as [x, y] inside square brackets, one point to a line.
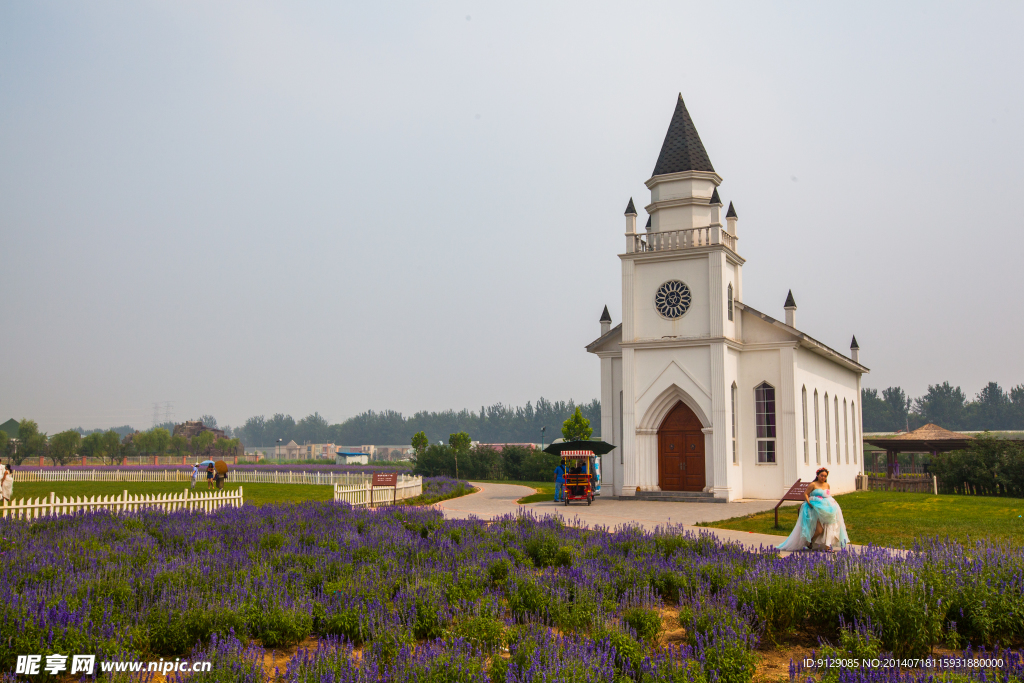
[251, 208]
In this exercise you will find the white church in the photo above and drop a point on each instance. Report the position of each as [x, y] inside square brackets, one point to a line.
[705, 397]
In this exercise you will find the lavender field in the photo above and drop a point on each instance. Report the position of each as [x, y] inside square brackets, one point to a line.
[400, 594]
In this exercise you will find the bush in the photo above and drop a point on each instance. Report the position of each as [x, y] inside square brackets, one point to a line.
[989, 466]
[644, 620]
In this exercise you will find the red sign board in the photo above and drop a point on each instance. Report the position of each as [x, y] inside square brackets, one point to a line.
[385, 479]
[795, 492]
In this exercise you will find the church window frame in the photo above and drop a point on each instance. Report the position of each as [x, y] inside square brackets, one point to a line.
[735, 455]
[807, 449]
[835, 400]
[729, 299]
[765, 423]
[817, 431]
[846, 433]
[621, 433]
[856, 443]
[828, 435]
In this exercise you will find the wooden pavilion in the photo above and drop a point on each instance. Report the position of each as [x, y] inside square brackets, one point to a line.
[930, 438]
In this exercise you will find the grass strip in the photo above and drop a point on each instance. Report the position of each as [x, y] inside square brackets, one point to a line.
[899, 519]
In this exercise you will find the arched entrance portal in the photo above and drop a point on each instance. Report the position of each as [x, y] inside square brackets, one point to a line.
[681, 451]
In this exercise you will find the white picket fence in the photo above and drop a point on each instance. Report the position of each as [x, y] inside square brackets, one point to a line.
[33, 508]
[365, 494]
[236, 476]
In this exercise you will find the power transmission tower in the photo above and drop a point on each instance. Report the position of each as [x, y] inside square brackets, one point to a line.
[156, 413]
[168, 412]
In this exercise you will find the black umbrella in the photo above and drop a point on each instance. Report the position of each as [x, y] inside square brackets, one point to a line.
[598, 447]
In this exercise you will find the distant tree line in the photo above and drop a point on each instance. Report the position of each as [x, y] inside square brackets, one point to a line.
[109, 446]
[495, 424]
[946, 406]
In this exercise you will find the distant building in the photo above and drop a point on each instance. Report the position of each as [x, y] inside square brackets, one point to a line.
[191, 428]
[383, 452]
[343, 457]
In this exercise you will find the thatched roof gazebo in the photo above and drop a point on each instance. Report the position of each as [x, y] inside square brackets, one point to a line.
[930, 438]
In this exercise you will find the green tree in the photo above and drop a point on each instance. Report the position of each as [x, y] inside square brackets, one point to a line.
[4, 441]
[64, 446]
[114, 449]
[899, 408]
[419, 442]
[460, 444]
[202, 441]
[143, 441]
[94, 445]
[437, 460]
[31, 442]
[942, 405]
[226, 446]
[178, 444]
[875, 412]
[576, 427]
[160, 439]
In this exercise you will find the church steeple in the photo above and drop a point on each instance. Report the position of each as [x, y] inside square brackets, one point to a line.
[682, 149]
[683, 185]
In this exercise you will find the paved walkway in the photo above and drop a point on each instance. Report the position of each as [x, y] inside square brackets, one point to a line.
[495, 500]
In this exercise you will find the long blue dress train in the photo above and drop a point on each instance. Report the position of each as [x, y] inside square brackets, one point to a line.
[821, 508]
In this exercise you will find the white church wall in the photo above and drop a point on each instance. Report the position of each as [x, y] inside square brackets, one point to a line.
[817, 373]
[734, 472]
[612, 463]
[762, 480]
[758, 331]
[657, 370]
[731, 329]
[649, 276]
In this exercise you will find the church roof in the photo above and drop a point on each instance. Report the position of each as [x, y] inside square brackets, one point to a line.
[715, 198]
[790, 301]
[606, 317]
[682, 149]
[854, 344]
[648, 222]
[731, 213]
[592, 347]
[806, 340]
[629, 207]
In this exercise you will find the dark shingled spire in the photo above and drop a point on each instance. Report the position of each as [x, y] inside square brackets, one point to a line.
[682, 149]
[605, 317]
[629, 207]
[714, 198]
[731, 213]
[790, 301]
[648, 222]
[853, 344]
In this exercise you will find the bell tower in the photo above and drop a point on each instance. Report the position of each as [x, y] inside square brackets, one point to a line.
[680, 278]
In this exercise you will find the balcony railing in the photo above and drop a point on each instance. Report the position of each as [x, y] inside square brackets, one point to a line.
[670, 240]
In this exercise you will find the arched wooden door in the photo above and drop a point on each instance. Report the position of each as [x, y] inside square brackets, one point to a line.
[681, 451]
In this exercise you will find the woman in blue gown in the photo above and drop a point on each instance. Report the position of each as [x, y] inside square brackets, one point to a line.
[820, 524]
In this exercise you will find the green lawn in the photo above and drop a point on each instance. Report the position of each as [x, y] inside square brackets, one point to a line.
[255, 494]
[545, 490]
[898, 519]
